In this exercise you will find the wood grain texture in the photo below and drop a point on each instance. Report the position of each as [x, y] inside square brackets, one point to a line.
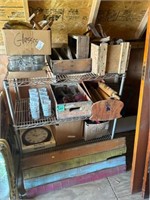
[142, 124]
[106, 110]
[71, 66]
[49, 178]
[120, 19]
[62, 155]
[75, 180]
[70, 164]
[145, 185]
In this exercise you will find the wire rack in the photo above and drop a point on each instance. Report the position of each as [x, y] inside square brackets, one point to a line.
[50, 79]
[21, 113]
[23, 119]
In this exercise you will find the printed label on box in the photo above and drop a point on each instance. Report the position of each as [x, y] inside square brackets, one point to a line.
[39, 45]
[60, 108]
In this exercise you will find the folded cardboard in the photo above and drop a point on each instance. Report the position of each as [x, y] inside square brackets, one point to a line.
[67, 132]
[27, 42]
[95, 130]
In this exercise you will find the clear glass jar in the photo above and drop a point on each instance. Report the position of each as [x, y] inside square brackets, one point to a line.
[14, 63]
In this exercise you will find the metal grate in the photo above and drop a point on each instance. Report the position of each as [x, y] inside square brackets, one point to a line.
[20, 82]
[23, 119]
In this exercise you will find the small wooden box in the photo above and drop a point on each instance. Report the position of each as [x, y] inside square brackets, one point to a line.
[110, 58]
[62, 62]
[70, 109]
[80, 45]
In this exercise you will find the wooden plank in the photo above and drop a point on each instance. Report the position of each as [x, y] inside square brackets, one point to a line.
[62, 155]
[94, 11]
[95, 51]
[142, 26]
[31, 193]
[70, 164]
[69, 66]
[80, 45]
[102, 59]
[124, 57]
[145, 185]
[34, 182]
[142, 124]
[113, 58]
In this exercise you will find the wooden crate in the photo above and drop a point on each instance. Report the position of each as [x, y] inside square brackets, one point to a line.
[110, 58]
[80, 45]
[62, 62]
[70, 109]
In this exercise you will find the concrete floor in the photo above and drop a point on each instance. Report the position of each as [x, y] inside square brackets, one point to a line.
[112, 188]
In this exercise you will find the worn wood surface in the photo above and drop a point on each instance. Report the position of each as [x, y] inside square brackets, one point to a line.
[62, 155]
[70, 66]
[73, 163]
[145, 185]
[75, 180]
[49, 178]
[142, 124]
[142, 26]
[80, 45]
[99, 58]
[106, 110]
[120, 19]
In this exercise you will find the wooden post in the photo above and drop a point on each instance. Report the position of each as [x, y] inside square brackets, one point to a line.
[142, 125]
[94, 11]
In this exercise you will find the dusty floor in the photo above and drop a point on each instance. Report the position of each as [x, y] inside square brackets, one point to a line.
[112, 188]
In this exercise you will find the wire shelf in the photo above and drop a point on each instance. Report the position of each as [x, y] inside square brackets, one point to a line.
[23, 119]
[50, 79]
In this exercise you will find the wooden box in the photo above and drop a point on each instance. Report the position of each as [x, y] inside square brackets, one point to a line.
[77, 105]
[67, 132]
[80, 45]
[63, 62]
[110, 58]
[95, 130]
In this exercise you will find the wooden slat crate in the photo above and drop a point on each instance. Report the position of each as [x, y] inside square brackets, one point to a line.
[110, 58]
[80, 45]
[68, 105]
[63, 62]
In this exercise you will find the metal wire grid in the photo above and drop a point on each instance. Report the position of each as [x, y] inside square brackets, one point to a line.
[58, 78]
[23, 119]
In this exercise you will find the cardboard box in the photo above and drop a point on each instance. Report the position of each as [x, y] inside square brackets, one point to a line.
[79, 108]
[67, 132]
[27, 42]
[92, 131]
